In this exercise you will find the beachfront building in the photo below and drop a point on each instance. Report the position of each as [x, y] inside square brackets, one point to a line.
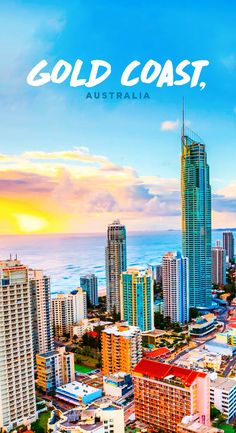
[89, 284]
[116, 263]
[228, 245]
[196, 217]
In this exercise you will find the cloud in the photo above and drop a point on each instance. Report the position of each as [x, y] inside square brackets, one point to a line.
[169, 125]
[76, 191]
[73, 190]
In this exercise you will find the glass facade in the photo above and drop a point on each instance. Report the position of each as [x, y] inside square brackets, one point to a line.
[196, 218]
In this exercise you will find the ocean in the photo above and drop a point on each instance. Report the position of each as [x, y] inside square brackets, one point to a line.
[66, 257]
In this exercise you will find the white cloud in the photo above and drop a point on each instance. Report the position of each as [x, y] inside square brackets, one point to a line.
[169, 125]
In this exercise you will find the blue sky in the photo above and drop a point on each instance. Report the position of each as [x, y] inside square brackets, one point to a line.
[128, 133]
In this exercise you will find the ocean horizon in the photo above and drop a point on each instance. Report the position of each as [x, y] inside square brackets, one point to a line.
[66, 257]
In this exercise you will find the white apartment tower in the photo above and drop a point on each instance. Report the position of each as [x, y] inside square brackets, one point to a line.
[41, 311]
[17, 391]
[175, 282]
[68, 309]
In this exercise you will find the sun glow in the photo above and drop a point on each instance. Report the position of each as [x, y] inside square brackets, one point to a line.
[30, 223]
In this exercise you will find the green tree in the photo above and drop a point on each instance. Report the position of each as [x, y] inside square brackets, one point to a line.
[214, 412]
[193, 313]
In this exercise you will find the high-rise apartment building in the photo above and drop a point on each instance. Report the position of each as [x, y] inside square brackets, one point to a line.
[196, 218]
[164, 394]
[89, 283]
[68, 309]
[116, 263]
[55, 368]
[41, 311]
[228, 245]
[17, 390]
[218, 256]
[175, 284]
[136, 298]
[121, 348]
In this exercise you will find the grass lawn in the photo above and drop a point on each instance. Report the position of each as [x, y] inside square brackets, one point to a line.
[82, 368]
[227, 428]
[43, 419]
[86, 360]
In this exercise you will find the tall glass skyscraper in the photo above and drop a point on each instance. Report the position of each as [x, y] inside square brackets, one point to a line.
[196, 217]
[116, 263]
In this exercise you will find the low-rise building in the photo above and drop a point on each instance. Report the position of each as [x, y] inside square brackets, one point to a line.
[228, 337]
[158, 354]
[192, 425]
[87, 325]
[101, 417]
[203, 325]
[118, 384]
[223, 395]
[54, 368]
[78, 393]
[152, 338]
[201, 359]
[223, 349]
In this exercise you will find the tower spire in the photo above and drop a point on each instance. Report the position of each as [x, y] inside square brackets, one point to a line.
[183, 117]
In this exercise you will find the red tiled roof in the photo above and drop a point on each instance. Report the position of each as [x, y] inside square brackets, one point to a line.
[158, 370]
[158, 352]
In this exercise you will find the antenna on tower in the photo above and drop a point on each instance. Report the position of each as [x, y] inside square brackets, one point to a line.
[183, 117]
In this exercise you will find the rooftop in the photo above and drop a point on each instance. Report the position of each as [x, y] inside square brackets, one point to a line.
[158, 370]
[158, 352]
[223, 383]
[122, 329]
[49, 354]
[77, 389]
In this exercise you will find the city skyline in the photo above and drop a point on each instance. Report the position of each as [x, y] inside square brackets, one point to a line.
[90, 162]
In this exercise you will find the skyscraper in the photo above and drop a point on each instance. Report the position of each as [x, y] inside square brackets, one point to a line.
[175, 283]
[136, 298]
[89, 283]
[228, 245]
[116, 263]
[17, 391]
[196, 217]
[41, 311]
[218, 265]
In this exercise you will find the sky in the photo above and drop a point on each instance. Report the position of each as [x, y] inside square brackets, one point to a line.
[72, 165]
